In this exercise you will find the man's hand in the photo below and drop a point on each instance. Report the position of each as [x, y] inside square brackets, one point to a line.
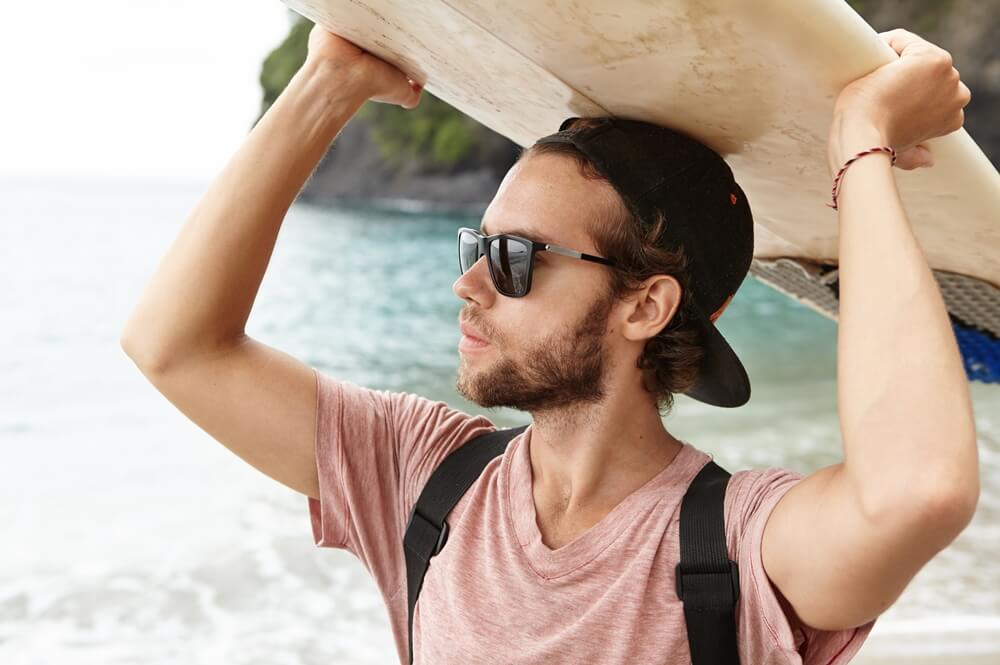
[903, 103]
[381, 81]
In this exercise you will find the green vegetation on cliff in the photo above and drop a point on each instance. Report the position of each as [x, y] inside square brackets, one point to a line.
[281, 64]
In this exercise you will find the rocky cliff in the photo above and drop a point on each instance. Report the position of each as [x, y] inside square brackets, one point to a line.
[435, 156]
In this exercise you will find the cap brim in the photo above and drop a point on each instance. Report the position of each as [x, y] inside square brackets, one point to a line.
[722, 379]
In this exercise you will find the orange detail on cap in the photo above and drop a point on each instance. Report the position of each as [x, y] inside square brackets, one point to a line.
[732, 198]
[718, 312]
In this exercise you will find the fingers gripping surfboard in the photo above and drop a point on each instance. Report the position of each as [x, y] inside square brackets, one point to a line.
[755, 81]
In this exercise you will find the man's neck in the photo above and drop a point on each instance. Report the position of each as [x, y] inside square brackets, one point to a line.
[588, 463]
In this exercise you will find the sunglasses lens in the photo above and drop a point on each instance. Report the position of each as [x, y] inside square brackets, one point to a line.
[468, 250]
[509, 262]
[510, 259]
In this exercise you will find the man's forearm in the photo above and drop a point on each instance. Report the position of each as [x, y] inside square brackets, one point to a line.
[201, 294]
[903, 397]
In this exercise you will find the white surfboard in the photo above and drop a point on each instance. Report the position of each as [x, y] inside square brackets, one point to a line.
[756, 81]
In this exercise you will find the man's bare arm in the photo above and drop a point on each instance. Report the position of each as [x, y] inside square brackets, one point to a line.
[187, 332]
[843, 544]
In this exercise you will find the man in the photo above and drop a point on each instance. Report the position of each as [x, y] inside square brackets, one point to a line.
[563, 551]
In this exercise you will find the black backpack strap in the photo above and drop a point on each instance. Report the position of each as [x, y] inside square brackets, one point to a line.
[426, 528]
[708, 582]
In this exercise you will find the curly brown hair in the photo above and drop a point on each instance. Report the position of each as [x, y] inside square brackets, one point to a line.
[670, 359]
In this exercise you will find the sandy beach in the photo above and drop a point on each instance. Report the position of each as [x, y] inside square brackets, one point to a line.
[949, 640]
[978, 659]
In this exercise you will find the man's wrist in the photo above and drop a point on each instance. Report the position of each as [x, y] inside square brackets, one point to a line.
[341, 83]
[850, 133]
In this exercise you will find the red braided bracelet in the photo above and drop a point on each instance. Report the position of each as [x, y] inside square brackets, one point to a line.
[840, 173]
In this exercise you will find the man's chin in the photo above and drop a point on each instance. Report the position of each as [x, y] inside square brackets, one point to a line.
[465, 385]
[472, 385]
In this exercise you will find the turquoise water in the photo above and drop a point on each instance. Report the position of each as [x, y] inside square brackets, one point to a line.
[130, 535]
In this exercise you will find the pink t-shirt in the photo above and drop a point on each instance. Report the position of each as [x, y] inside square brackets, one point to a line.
[496, 594]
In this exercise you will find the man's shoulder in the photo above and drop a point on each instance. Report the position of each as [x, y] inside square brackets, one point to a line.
[749, 489]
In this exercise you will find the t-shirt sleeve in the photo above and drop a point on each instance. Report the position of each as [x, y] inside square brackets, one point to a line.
[375, 450]
[768, 629]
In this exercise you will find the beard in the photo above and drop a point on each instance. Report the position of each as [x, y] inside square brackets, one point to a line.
[563, 370]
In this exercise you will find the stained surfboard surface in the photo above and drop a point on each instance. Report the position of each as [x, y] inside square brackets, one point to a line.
[756, 81]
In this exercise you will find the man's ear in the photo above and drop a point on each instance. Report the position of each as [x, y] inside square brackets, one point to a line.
[650, 308]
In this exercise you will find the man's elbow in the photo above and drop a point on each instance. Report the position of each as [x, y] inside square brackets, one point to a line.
[930, 515]
[948, 509]
[140, 354]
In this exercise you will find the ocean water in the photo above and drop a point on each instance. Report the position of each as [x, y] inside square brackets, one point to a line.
[130, 536]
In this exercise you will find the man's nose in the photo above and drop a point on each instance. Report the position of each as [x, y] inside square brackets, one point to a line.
[474, 283]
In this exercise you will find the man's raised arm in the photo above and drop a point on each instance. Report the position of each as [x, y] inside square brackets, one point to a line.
[187, 335]
[844, 543]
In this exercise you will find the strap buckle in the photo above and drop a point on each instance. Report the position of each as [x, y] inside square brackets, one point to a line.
[442, 537]
[734, 579]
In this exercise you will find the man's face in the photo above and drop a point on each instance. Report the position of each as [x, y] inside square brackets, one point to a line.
[549, 349]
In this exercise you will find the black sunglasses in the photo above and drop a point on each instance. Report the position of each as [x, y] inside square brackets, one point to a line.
[511, 258]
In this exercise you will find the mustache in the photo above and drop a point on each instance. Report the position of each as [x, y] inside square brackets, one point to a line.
[480, 324]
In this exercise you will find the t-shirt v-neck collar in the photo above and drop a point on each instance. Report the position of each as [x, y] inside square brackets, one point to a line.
[549, 563]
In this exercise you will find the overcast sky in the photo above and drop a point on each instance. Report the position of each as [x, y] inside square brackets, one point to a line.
[148, 89]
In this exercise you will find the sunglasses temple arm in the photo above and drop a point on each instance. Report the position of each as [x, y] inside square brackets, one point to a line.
[579, 255]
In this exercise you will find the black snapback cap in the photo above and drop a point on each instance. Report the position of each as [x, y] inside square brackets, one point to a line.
[659, 170]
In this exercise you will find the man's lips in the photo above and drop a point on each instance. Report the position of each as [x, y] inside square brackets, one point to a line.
[472, 333]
